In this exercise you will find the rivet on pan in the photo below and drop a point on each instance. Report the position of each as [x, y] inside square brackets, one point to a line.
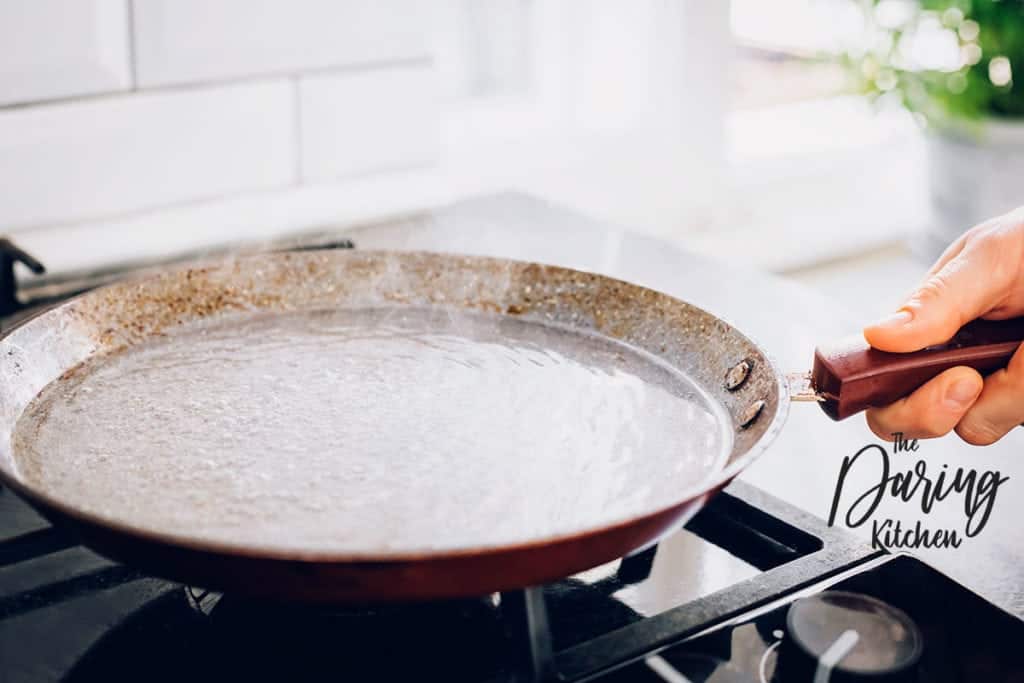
[738, 374]
[748, 416]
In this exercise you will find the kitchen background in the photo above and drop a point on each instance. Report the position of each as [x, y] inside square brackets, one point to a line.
[142, 127]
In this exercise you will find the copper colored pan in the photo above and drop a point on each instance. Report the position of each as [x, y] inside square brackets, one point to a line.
[732, 370]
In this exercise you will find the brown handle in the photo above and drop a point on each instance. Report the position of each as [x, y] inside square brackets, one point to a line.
[852, 376]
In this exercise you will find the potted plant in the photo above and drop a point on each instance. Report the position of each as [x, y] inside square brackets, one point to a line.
[958, 65]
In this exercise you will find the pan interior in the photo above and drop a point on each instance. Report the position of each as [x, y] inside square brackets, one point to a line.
[372, 430]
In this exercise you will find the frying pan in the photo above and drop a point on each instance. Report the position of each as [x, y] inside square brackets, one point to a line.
[733, 371]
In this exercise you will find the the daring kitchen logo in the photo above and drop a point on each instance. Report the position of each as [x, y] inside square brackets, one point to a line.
[916, 486]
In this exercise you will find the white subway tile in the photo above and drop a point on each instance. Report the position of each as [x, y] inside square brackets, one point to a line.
[250, 217]
[368, 120]
[67, 162]
[61, 48]
[179, 41]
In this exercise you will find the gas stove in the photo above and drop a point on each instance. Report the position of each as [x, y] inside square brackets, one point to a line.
[752, 589]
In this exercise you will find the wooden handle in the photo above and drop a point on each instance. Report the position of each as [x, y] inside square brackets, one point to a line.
[852, 376]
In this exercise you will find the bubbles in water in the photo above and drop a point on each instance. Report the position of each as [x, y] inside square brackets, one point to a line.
[372, 430]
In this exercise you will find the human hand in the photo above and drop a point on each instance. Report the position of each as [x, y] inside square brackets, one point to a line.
[981, 275]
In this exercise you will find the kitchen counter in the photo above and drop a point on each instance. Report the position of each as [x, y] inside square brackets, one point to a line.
[788, 319]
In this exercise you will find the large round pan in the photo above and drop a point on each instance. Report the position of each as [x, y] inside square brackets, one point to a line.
[730, 368]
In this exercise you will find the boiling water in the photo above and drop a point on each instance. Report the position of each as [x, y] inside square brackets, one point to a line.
[371, 431]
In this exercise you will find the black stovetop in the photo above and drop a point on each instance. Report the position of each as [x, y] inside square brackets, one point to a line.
[68, 614]
[709, 603]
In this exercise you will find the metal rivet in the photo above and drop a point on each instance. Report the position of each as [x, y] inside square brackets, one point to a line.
[738, 374]
[748, 416]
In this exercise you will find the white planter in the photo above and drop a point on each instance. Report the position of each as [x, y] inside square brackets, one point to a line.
[973, 175]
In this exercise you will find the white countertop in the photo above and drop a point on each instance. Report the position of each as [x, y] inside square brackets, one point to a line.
[788, 319]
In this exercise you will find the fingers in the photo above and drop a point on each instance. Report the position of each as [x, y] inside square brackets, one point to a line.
[933, 410]
[966, 287]
[951, 252]
[954, 249]
[981, 275]
[999, 408]
[980, 411]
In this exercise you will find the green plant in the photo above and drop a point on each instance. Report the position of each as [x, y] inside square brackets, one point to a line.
[949, 61]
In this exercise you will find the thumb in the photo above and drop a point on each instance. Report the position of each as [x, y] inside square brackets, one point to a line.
[957, 293]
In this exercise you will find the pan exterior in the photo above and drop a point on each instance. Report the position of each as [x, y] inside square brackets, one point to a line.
[106, 320]
[405, 579]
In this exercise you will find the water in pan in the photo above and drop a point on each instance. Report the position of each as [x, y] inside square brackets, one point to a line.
[370, 431]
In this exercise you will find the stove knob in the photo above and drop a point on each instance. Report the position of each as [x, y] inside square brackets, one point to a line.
[840, 637]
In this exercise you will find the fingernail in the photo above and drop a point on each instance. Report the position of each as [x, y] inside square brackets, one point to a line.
[895, 320]
[961, 393]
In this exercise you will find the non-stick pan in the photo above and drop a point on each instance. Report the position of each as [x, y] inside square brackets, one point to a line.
[730, 369]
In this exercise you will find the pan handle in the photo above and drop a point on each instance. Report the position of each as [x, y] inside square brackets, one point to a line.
[850, 376]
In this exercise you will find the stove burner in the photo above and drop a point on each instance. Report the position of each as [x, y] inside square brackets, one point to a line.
[840, 636]
[198, 635]
[511, 631]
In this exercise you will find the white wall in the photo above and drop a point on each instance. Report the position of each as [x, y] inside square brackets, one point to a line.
[137, 127]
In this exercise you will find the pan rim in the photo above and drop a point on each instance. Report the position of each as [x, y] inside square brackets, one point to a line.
[703, 488]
